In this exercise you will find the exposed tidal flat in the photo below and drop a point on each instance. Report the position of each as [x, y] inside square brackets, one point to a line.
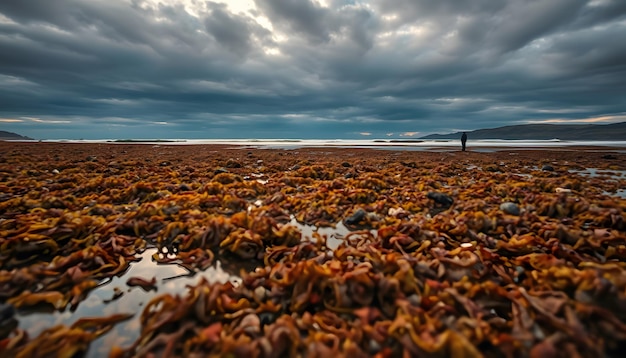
[129, 249]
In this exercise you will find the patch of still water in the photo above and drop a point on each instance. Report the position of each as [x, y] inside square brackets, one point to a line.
[170, 278]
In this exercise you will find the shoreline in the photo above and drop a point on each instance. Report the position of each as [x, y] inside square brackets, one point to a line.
[415, 145]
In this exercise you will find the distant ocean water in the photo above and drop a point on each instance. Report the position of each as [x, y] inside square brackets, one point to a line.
[483, 144]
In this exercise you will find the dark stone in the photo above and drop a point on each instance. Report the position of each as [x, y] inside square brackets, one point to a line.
[7, 327]
[346, 165]
[609, 156]
[7, 311]
[92, 158]
[184, 187]
[220, 171]
[409, 164]
[267, 318]
[440, 198]
[231, 163]
[165, 164]
[356, 218]
[547, 168]
[510, 208]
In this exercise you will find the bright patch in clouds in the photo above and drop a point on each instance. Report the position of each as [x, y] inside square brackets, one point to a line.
[594, 120]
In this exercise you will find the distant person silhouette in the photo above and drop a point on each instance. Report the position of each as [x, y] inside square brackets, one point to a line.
[463, 141]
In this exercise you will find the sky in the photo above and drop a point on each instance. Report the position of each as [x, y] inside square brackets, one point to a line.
[118, 69]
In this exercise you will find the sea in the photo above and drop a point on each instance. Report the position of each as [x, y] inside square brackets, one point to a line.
[483, 145]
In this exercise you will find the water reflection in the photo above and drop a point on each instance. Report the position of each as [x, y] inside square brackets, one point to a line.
[170, 278]
[608, 176]
[113, 296]
[598, 173]
[334, 235]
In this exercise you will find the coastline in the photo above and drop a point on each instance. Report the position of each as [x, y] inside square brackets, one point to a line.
[389, 144]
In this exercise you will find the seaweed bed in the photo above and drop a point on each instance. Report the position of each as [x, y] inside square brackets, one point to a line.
[157, 250]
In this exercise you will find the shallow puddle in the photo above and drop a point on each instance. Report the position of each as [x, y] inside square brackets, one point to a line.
[597, 173]
[170, 278]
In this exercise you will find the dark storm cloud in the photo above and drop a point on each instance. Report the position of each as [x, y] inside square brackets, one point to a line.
[301, 16]
[305, 68]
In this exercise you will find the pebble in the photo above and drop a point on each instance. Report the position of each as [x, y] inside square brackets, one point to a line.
[440, 198]
[510, 208]
[355, 218]
[414, 299]
[231, 163]
[260, 293]
[396, 212]
[7, 311]
[547, 168]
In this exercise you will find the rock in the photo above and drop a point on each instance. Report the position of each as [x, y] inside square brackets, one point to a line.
[220, 171]
[7, 311]
[510, 208]
[165, 164]
[231, 163]
[355, 218]
[91, 158]
[55, 171]
[398, 212]
[260, 293]
[346, 165]
[609, 156]
[547, 168]
[440, 198]
[8, 323]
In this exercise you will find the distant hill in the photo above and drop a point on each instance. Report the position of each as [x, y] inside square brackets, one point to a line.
[616, 131]
[4, 135]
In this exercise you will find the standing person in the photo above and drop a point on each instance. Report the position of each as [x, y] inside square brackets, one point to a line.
[463, 141]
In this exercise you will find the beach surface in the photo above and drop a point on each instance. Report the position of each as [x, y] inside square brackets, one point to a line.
[132, 249]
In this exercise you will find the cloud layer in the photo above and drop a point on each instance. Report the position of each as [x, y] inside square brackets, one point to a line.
[306, 69]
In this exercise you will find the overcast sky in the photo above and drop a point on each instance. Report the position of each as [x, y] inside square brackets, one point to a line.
[99, 69]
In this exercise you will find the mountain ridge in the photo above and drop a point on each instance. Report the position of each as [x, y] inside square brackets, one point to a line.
[4, 135]
[614, 131]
